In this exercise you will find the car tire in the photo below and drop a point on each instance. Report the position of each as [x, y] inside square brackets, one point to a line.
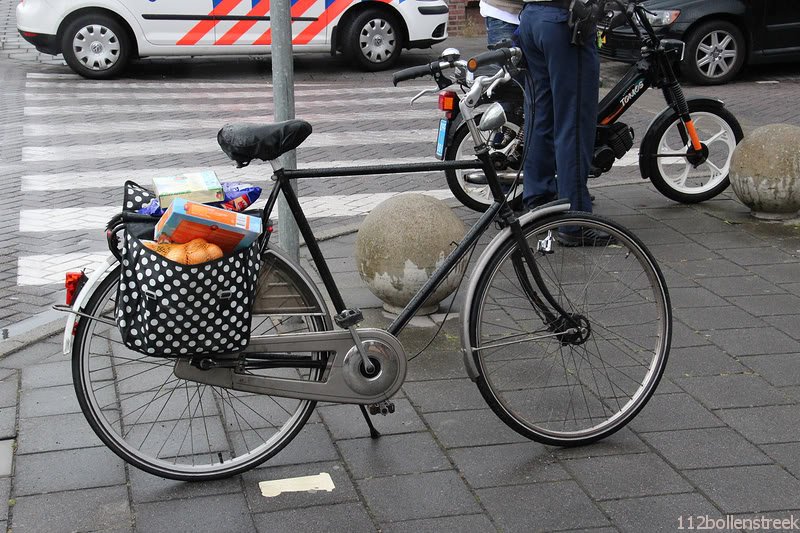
[715, 53]
[96, 46]
[374, 40]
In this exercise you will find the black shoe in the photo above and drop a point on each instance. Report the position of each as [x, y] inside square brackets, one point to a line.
[538, 201]
[586, 237]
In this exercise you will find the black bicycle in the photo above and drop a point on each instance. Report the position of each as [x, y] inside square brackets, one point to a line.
[566, 326]
[686, 151]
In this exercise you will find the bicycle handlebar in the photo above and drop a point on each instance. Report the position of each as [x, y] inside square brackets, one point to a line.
[499, 56]
[417, 72]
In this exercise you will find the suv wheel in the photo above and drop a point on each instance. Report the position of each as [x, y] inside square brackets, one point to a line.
[715, 53]
[374, 40]
[96, 46]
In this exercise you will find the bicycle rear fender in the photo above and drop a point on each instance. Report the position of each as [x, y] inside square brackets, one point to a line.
[499, 240]
[83, 296]
[649, 139]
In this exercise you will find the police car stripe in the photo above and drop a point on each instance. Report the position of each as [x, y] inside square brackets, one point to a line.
[202, 28]
[241, 27]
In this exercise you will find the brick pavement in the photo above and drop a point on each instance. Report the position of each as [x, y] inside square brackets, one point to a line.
[720, 437]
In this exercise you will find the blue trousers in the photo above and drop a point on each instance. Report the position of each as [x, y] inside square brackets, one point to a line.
[564, 85]
[497, 30]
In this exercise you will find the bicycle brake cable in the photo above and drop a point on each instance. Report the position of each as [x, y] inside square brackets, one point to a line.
[449, 307]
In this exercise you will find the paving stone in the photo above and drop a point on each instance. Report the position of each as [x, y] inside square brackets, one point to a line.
[753, 341]
[8, 391]
[701, 361]
[725, 240]
[393, 455]
[541, 507]
[47, 375]
[657, 513]
[463, 524]
[350, 517]
[88, 510]
[149, 488]
[67, 470]
[695, 297]
[673, 411]
[705, 448]
[222, 512]
[788, 325]
[708, 318]
[622, 442]
[8, 422]
[684, 336]
[311, 445]
[346, 422]
[764, 255]
[740, 286]
[433, 364]
[777, 304]
[31, 354]
[709, 268]
[427, 495]
[507, 464]
[735, 390]
[782, 273]
[344, 490]
[471, 428]
[786, 455]
[5, 491]
[444, 395]
[625, 476]
[782, 370]
[48, 401]
[51, 433]
[764, 425]
[749, 489]
[679, 253]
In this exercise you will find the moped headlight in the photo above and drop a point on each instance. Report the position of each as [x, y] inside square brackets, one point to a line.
[663, 17]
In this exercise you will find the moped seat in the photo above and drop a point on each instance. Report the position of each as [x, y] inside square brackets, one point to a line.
[245, 142]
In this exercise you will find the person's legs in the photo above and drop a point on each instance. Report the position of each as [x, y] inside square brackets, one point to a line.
[497, 30]
[574, 73]
[539, 167]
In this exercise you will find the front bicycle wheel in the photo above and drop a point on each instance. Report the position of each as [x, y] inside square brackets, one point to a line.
[173, 427]
[584, 375]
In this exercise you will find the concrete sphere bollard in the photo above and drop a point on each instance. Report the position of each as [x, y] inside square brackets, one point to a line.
[399, 245]
[765, 171]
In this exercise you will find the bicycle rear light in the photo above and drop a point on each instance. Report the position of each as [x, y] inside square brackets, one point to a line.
[73, 284]
[447, 103]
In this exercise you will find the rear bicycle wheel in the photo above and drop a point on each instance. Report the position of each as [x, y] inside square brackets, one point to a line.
[176, 428]
[576, 381]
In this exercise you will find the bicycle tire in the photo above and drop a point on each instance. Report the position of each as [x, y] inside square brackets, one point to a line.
[135, 403]
[526, 370]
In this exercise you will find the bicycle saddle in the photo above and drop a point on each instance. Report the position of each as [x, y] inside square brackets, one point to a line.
[245, 142]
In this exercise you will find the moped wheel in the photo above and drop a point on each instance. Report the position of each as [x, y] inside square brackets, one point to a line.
[172, 427]
[469, 186]
[681, 178]
[572, 381]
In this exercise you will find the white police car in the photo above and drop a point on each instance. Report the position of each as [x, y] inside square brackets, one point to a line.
[99, 37]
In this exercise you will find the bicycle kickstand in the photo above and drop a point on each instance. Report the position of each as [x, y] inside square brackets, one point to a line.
[374, 433]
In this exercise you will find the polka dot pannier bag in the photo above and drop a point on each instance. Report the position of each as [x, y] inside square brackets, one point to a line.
[166, 308]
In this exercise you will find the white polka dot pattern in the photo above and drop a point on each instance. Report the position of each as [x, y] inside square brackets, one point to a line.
[169, 309]
[135, 197]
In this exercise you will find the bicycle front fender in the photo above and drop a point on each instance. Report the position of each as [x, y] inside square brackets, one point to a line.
[668, 113]
[499, 240]
[83, 296]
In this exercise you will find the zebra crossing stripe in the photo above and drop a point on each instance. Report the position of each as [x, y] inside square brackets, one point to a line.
[84, 85]
[387, 103]
[82, 152]
[255, 174]
[45, 269]
[94, 218]
[64, 129]
[266, 92]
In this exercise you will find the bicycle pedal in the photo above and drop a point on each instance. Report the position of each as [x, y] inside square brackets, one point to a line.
[383, 408]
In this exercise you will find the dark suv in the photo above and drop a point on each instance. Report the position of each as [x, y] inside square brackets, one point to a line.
[721, 36]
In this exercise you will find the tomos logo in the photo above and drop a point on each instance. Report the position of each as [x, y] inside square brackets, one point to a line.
[633, 92]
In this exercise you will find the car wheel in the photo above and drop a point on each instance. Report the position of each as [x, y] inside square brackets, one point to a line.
[96, 46]
[715, 53]
[374, 40]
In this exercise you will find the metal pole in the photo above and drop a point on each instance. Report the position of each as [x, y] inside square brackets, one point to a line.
[283, 98]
